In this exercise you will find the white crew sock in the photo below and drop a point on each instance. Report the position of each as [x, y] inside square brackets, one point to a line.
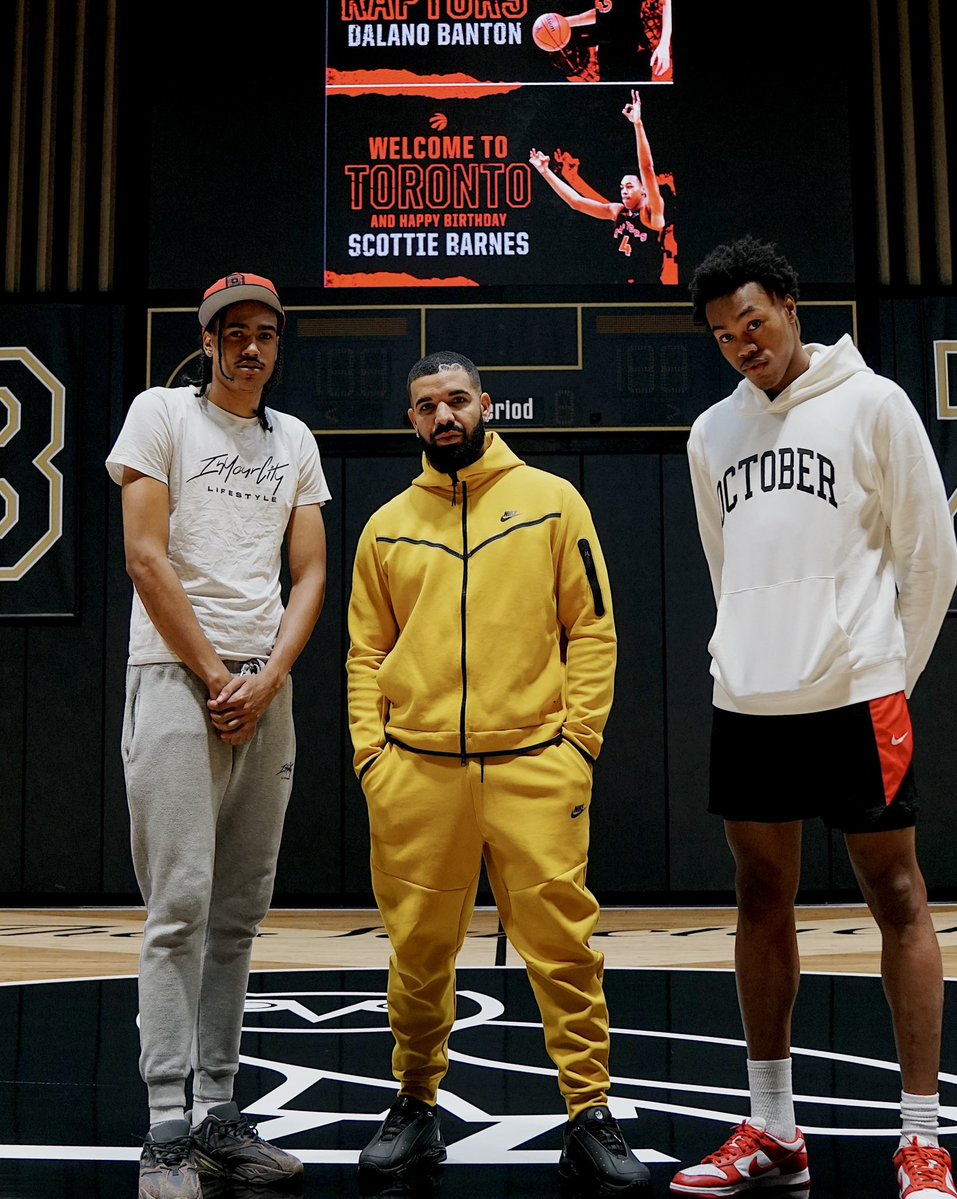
[772, 1098]
[919, 1118]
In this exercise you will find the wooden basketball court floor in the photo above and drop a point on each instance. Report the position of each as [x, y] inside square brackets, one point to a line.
[315, 1071]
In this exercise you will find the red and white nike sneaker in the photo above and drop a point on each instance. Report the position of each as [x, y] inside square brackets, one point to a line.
[749, 1158]
[924, 1172]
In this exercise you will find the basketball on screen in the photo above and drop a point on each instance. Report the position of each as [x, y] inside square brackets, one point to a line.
[551, 31]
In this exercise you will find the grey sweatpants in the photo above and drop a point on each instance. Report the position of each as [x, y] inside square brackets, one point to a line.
[206, 826]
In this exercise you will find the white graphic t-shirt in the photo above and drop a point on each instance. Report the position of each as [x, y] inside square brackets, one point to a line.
[232, 488]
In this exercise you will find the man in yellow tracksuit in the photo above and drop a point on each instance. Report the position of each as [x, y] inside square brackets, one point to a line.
[481, 673]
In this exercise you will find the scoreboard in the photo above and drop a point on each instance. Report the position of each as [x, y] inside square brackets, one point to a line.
[585, 366]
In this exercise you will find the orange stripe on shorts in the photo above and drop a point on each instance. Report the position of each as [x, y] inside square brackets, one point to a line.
[890, 716]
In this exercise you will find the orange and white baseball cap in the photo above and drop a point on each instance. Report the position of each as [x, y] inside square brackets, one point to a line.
[235, 289]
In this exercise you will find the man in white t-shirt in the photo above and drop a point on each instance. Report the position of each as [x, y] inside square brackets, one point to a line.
[213, 483]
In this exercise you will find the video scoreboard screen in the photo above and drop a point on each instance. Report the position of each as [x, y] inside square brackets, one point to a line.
[475, 143]
[462, 150]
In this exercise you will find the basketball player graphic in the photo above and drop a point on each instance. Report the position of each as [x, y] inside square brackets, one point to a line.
[641, 223]
[624, 40]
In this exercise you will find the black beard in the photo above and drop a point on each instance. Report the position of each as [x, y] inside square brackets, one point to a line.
[449, 458]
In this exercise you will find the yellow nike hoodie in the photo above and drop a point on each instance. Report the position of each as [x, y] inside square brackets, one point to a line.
[480, 619]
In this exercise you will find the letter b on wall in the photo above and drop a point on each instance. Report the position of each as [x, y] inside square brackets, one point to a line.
[37, 551]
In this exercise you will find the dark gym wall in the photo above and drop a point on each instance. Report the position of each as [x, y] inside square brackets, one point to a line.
[217, 148]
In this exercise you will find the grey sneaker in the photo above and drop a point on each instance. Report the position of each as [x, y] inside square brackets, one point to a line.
[227, 1141]
[409, 1141]
[167, 1167]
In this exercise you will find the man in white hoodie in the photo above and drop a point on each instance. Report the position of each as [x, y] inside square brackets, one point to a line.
[832, 554]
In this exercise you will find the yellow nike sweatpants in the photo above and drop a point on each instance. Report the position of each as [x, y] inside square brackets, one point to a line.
[431, 821]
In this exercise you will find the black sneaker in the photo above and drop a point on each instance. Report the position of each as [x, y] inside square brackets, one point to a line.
[167, 1163]
[596, 1156]
[227, 1141]
[408, 1141]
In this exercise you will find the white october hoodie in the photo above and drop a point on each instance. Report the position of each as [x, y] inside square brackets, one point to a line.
[828, 535]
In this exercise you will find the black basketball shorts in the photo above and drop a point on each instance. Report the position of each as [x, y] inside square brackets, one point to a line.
[852, 766]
